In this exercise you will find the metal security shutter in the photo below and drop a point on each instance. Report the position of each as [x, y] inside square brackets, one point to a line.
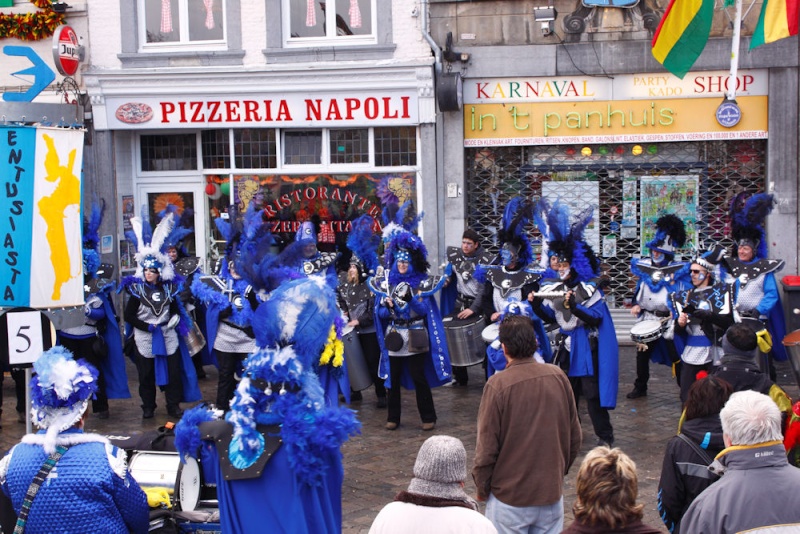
[723, 168]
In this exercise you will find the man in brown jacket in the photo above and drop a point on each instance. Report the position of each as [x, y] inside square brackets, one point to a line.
[528, 436]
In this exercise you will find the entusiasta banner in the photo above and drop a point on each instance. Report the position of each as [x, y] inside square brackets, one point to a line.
[41, 222]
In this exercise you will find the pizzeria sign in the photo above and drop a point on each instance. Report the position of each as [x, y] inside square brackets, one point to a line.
[307, 110]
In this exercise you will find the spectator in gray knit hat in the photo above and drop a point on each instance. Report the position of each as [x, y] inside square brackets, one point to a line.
[435, 500]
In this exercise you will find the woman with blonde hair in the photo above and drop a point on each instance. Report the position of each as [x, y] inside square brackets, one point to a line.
[607, 487]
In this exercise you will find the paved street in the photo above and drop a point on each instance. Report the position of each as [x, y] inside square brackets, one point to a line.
[379, 463]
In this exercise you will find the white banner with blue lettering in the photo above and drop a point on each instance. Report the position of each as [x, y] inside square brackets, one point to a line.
[41, 262]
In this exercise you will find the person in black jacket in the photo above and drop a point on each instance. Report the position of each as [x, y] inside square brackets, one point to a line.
[699, 440]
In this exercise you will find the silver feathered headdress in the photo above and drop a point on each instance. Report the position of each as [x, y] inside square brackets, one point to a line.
[149, 255]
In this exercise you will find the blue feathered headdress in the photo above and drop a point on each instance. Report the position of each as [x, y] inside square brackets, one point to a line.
[148, 245]
[364, 243]
[516, 217]
[399, 218]
[670, 235]
[567, 240]
[281, 385]
[747, 221]
[60, 392]
[91, 238]
[183, 228]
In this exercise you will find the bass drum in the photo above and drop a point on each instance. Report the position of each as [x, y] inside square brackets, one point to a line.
[464, 340]
[165, 470]
[357, 370]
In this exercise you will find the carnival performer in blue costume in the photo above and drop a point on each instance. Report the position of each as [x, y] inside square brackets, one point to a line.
[413, 345]
[517, 275]
[495, 359]
[358, 303]
[230, 302]
[98, 340]
[159, 322]
[305, 259]
[276, 456]
[703, 314]
[587, 347]
[658, 277]
[187, 269]
[88, 488]
[302, 259]
[462, 301]
[752, 274]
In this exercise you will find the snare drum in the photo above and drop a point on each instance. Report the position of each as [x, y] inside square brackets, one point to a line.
[357, 370]
[647, 331]
[491, 332]
[195, 341]
[153, 469]
[464, 340]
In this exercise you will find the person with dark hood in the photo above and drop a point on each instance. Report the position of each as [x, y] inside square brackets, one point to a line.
[739, 366]
[657, 278]
[435, 500]
[752, 274]
[684, 473]
[587, 348]
[704, 312]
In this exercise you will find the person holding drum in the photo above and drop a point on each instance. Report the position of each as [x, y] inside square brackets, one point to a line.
[159, 322]
[462, 302]
[751, 274]
[516, 275]
[658, 277]
[587, 348]
[76, 482]
[704, 312]
[358, 305]
[230, 303]
[414, 352]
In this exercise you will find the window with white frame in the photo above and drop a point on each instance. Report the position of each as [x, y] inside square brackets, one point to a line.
[182, 22]
[329, 20]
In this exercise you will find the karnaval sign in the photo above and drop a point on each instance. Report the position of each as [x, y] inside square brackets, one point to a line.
[642, 108]
[269, 110]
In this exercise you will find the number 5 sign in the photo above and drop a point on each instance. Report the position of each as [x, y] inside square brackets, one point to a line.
[24, 334]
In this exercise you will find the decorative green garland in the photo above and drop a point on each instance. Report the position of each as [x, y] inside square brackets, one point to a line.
[31, 26]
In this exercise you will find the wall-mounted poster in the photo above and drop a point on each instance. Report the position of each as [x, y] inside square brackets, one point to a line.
[669, 194]
[128, 212]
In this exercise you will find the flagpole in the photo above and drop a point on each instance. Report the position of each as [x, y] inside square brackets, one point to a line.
[737, 31]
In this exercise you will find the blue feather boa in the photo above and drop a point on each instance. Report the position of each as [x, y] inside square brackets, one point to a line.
[213, 298]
